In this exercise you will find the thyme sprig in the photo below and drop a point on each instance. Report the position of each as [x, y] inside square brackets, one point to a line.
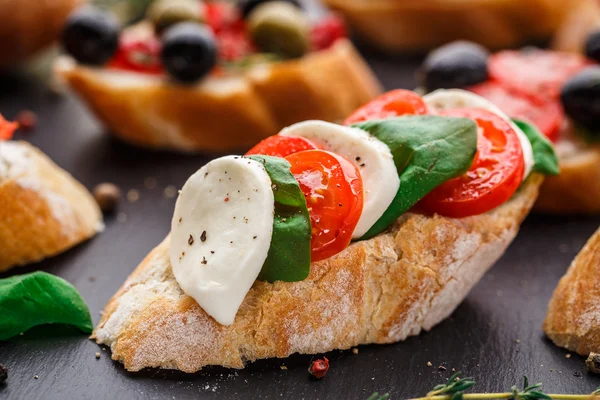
[456, 387]
[377, 396]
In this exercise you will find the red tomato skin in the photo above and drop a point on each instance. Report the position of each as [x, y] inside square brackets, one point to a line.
[282, 146]
[146, 50]
[495, 175]
[326, 32]
[333, 190]
[391, 104]
[7, 128]
[536, 72]
[546, 114]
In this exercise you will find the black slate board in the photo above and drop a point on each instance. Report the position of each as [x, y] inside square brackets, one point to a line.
[495, 335]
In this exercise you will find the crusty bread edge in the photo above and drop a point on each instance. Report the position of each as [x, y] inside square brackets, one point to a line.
[45, 211]
[380, 290]
[399, 26]
[577, 189]
[572, 321]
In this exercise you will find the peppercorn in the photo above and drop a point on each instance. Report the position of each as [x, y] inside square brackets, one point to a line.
[318, 368]
[592, 363]
[3, 373]
[108, 196]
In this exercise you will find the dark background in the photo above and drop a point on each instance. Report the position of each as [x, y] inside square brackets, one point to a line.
[494, 336]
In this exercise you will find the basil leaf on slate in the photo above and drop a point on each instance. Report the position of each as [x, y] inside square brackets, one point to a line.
[289, 255]
[428, 150]
[544, 157]
[40, 298]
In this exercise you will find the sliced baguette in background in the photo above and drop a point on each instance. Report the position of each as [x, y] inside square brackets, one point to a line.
[380, 290]
[225, 113]
[43, 210]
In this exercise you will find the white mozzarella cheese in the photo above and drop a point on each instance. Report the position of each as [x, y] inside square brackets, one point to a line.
[372, 157]
[221, 233]
[445, 99]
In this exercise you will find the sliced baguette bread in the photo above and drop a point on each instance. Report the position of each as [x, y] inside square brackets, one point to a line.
[577, 189]
[43, 210]
[572, 321]
[420, 25]
[225, 113]
[381, 290]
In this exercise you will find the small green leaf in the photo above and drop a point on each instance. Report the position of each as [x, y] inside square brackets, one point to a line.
[544, 157]
[289, 255]
[40, 298]
[428, 151]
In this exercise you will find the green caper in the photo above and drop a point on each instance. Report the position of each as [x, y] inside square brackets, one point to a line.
[165, 13]
[281, 28]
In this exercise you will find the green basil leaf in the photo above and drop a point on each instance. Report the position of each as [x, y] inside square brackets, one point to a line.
[289, 255]
[545, 160]
[40, 298]
[428, 150]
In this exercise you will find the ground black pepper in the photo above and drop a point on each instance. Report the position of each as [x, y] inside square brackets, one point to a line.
[203, 236]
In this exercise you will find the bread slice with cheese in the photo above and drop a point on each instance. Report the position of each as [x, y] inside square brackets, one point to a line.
[573, 320]
[44, 211]
[380, 290]
[222, 113]
[420, 25]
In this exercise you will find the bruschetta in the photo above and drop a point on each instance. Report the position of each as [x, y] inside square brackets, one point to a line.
[413, 25]
[235, 84]
[572, 319]
[328, 236]
[552, 90]
[44, 211]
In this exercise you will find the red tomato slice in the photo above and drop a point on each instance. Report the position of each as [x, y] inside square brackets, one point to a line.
[139, 54]
[537, 72]
[495, 175]
[282, 146]
[334, 196]
[547, 115]
[7, 128]
[391, 104]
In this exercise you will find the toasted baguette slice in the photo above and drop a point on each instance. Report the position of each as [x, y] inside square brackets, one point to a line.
[43, 210]
[225, 113]
[417, 25]
[577, 189]
[380, 290]
[573, 319]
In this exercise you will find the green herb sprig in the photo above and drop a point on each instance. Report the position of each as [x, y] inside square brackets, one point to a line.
[456, 387]
[377, 396]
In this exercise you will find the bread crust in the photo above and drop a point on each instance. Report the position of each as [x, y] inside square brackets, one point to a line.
[380, 290]
[577, 189]
[225, 113]
[572, 319]
[417, 25]
[43, 210]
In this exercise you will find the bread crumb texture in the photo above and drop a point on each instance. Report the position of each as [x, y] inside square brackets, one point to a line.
[380, 290]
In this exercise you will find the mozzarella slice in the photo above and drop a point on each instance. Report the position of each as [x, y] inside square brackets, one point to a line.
[221, 233]
[445, 99]
[372, 157]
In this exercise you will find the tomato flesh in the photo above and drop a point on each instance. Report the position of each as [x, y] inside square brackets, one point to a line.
[138, 54]
[7, 128]
[536, 72]
[333, 190]
[391, 104]
[494, 176]
[282, 146]
[547, 115]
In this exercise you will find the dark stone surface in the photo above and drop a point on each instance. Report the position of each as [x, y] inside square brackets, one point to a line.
[480, 338]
